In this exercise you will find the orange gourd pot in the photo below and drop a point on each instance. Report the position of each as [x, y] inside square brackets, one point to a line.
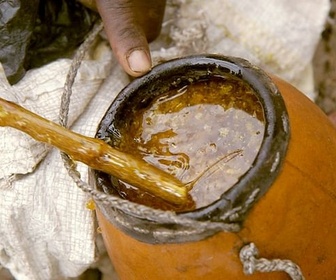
[285, 204]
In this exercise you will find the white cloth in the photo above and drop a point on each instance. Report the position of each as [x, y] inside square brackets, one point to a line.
[46, 230]
[280, 36]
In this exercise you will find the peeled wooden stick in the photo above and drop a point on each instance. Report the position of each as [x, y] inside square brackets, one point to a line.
[94, 153]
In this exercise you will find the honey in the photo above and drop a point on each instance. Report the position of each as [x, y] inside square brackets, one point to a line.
[206, 133]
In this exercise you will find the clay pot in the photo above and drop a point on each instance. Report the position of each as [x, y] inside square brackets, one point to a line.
[285, 204]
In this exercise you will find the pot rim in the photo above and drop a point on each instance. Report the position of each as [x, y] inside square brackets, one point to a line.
[233, 204]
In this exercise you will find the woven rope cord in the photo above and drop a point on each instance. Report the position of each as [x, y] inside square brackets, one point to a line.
[142, 211]
[248, 256]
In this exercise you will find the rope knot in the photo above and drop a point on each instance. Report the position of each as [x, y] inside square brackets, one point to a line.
[248, 256]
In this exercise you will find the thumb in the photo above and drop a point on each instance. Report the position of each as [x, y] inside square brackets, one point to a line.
[127, 23]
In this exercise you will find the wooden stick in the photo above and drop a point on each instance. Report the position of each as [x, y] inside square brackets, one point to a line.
[95, 153]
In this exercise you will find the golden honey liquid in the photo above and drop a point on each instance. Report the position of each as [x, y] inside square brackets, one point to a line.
[206, 134]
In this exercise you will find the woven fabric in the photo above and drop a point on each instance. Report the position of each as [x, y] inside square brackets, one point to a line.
[279, 36]
[46, 230]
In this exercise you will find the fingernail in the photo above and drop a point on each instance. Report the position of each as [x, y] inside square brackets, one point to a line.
[139, 61]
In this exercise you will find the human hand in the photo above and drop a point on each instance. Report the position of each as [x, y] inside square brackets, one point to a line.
[129, 26]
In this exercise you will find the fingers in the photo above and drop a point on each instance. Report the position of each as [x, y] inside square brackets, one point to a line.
[128, 24]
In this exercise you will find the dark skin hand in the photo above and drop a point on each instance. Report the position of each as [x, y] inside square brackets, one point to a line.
[130, 25]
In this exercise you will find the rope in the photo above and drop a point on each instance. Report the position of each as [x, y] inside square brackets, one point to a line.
[141, 211]
[248, 256]
[70, 79]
